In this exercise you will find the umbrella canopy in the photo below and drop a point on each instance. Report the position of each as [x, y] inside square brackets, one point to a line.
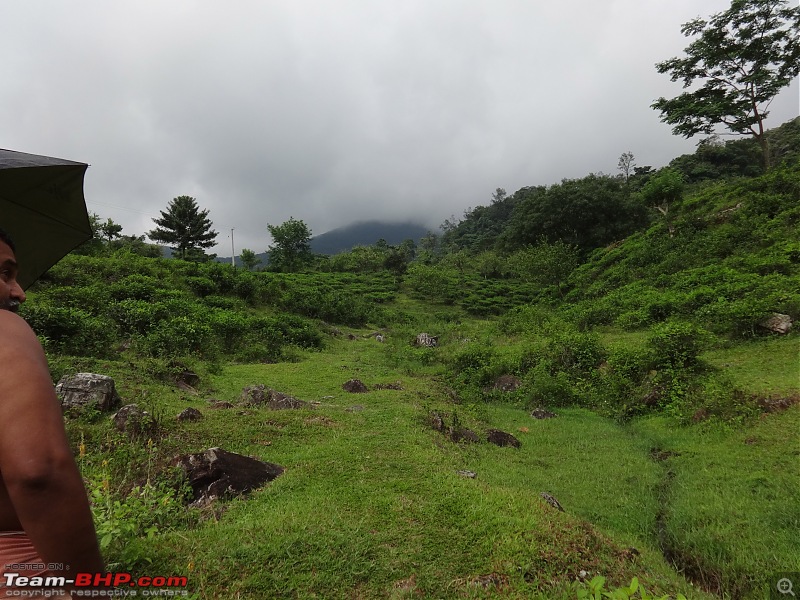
[43, 209]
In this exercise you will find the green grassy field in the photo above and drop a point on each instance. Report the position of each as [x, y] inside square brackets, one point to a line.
[372, 506]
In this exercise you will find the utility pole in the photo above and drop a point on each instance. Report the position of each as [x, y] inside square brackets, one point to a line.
[233, 252]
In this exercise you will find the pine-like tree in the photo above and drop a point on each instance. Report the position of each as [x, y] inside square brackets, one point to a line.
[183, 226]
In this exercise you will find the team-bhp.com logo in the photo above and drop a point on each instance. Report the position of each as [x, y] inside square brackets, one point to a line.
[95, 585]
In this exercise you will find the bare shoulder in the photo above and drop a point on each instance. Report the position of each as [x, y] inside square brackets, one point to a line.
[26, 384]
[17, 338]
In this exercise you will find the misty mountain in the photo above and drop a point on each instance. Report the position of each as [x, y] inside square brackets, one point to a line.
[366, 233]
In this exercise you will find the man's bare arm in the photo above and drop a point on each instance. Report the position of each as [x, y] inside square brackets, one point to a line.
[36, 463]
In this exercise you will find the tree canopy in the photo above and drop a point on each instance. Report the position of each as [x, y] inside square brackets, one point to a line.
[291, 249]
[184, 227]
[743, 56]
[249, 259]
[588, 213]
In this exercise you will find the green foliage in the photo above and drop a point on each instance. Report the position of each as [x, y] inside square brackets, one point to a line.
[479, 229]
[726, 262]
[547, 388]
[184, 227]
[334, 306]
[545, 264]
[588, 213]
[135, 245]
[249, 259]
[70, 330]
[201, 286]
[596, 590]
[531, 319]
[476, 364]
[110, 230]
[575, 351]
[181, 335]
[743, 56]
[290, 250]
[663, 189]
[146, 511]
[361, 259]
[677, 344]
[715, 159]
[433, 283]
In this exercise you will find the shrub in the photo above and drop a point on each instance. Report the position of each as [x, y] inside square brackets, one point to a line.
[530, 319]
[629, 363]
[137, 287]
[201, 286]
[677, 344]
[433, 283]
[575, 351]
[229, 328]
[246, 287]
[91, 298]
[181, 336]
[71, 330]
[133, 316]
[545, 388]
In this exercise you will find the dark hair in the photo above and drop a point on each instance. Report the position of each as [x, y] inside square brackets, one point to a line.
[7, 239]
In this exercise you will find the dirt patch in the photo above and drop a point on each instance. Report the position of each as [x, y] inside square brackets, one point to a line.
[772, 404]
[388, 386]
[659, 455]
[354, 386]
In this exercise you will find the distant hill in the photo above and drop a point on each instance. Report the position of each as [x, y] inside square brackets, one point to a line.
[366, 233]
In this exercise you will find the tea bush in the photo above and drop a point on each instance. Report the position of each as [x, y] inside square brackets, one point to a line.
[201, 286]
[575, 352]
[677, 344]
[136, 287]
[71, 330]
[181, 335]
[544, 388]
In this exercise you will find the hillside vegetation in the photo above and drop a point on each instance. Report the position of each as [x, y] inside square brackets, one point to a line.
[673, 453]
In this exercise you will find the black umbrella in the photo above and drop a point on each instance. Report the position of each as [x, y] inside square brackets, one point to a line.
[42, 208]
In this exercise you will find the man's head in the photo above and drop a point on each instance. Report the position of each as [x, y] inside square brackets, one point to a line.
[5, 238]
[11, 294]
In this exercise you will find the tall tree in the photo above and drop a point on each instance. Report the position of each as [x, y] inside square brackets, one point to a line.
[249, 259]
[744, 56]
[663, 189]
[184, 227]
[291, 248]
[626, 164]
[110, 230]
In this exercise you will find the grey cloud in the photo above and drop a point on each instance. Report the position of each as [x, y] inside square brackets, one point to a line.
[333, 112]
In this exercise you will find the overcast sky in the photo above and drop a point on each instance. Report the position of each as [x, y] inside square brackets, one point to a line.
[340, 110]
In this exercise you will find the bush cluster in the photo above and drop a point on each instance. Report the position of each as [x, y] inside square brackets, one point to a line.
[97, 307]
[559, 365]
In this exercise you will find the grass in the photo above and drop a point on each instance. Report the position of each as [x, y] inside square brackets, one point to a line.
[371, 504]
[732, 514]
[765, 366]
